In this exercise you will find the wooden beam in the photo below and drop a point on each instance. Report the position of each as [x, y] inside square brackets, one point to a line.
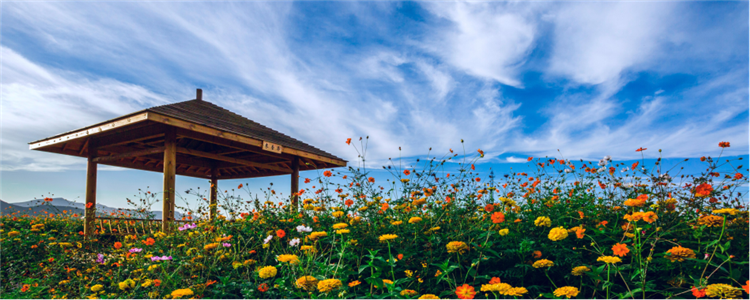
[214, 192]
[83, 147]
[230, 159]
[150, 166]
[90, 212]
[236, 137]
[295, 183]
[129, 154]
[228, 143]
[121, 122]
[133, 135]
[170, 165]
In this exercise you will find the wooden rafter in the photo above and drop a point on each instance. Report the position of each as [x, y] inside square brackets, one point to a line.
[129, 154]
[230, 159]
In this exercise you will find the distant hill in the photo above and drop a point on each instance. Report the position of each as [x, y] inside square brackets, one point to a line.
[58, 205]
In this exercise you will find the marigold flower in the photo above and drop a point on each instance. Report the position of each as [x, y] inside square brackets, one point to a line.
[396, 223]
[465, 292]
[97, 287]
[567, 291]
[503, 232]
[609, 259]
[387, 237]
[317, 234]
[328, 285]
[634, 202]
[413, 220]
[408, 292]
[499, 287]
[679, 253]
[149, 241]
[127, 284]
[354, 283]
[118, 245]
[498, 217]
[731, 211]
[543, 263]
[620, 249]
[342, 231]
[267, 272]
[543, 221]
[456, 246]
[516, 292]
[557, 234]
[288, 258]
[580, 270]
[340, 225]
[211, 246]
[428, 296]
[724, 291]
[338, 214]
[13, 233]
[307, 283]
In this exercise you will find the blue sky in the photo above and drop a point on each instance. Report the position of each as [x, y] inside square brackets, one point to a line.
[515, 79]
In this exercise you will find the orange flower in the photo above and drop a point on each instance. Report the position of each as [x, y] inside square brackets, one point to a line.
[307, 180]
[580, 213]
[157, 282]
[640, 149]
[406, 172]
[118, 245]
[634, 165]
[349, 202]
[51, 259]
[489, 207]
[703, 190]
[530, 158]
[579, 233]
[348, 141]
[746, 287]
[239, 186]
[25, 288]
[620, 249]
[263, 287]
[465, 292]
[400, 256]
[89, 205]
[495, 280]
[698, 293]
[280, 233]
[371, 179]
[724, 144]
[498, 217]
[537, 254]
[149, 241]
[327, 173]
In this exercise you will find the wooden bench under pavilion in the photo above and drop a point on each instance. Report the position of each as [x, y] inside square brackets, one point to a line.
[192, 138]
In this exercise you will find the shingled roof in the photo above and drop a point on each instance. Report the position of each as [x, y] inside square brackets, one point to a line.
[211, 115]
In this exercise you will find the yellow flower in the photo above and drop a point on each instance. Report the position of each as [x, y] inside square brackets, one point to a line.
[267, 272]
[408, 293]
[338, 214]
[127, 284]
[503, 232]
[317, 234]
[97, 288]
[13, 233]
[436, 228]
[386, 281]
[387, 237]
[711, 221]
[182, 292]
[404, 180]
[731, 211]
[724, 291]
[396, 223]
[542, 221]
[580, 270]
[429, 296]
[609, 259]
[516, 291]
[248, 262]
[210, 246]
[409, 273]
[328, 285]
[153, 267]
[558, 234]
[64, 282]
[307, 248]
[415, 220]
[543, 263]
[567, 291]
[288, 258]
[307, 282]
[496, 287]
[342, 231]
[679, 253]
[146, 283]
[340, 225]
[456, 246]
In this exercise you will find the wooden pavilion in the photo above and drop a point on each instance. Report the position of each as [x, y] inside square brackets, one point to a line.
[192, 138]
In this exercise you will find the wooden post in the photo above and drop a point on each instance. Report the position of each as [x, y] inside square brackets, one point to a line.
[214, 190]
[90, 212]
[295, 182]
[170, 168]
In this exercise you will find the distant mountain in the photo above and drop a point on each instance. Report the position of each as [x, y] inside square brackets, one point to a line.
[58, 205]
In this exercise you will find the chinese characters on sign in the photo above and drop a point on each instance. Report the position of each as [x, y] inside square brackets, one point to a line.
[272, 147]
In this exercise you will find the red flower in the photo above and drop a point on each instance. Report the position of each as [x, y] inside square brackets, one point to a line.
[239, 186]
[263, 287]
[489, 207]
[478, 179]
[157, 282]
[400, 256]
[348, 141]
[738, 176]
[498, 217]
[495, 280]
[89, 205]
[327, 173]
[465, 292]
[703, 190]
[149, 241]
[406, 172]
[51, 259]
[640, 149]
[371, 179]
[634, 165]
[118, 245]
[724, 144]
[530, 158]
[280, 233]
[537, 254]
[698, 293]
[349, 202]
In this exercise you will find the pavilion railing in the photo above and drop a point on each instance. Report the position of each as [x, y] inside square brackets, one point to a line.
[130, 226]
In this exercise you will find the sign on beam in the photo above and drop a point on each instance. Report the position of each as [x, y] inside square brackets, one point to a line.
[272, 147]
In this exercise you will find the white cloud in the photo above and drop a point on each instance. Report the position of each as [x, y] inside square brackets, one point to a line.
[512, 159]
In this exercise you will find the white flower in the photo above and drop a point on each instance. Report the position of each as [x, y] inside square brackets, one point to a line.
[302, 228]
[294, 242]
[608, 158]
[602, 169]
[625, 170]
[568, 171]
[268, 239]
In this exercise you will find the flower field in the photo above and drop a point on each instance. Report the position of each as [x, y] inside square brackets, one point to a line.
[571, 229]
